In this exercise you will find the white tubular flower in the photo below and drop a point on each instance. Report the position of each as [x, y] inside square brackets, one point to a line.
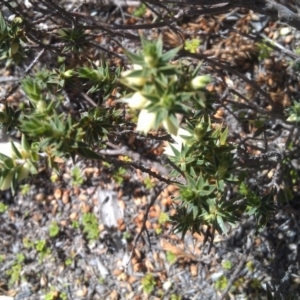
[137, 67]
[135, 81]
[180, 139]
[170, 126]
[6, 148]
[146, 121]
[200, 82]
[136, 101]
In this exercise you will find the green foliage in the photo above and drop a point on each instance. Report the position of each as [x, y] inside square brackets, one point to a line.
[16, 162]
[63, 296]
[75, 224]
[163, 218]
[161, 92]
[76, 176]
[20, 257]
[101, 280]
[250, 265]
[68, 261]
[42, 249]
[53, 294]
[255, 284]
[3, 208]
[54, 229]
[265, 50]
[171, 257]
[175, 297]
[227, 265]
[221, 283]
[90, 226]
[15, 271]
[101, 78]
[24, 189]
[260, 207]
[293, 112]
[12, 37]
[76, 39]
[148, 283]
[27, 243]
[192, 45]
[119, 174]
[127, 235]
[96, 124]
[2, 258]
[148, 183]
[140, 11]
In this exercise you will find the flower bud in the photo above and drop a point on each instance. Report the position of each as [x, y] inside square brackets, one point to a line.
[68, 73]
[41, 106]
[200, 130]
[200, 82]
[151, 61]
[135, 81]
[136, 101]
[292, 118]
[24, 172]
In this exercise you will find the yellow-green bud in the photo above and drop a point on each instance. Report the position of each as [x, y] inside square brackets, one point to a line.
[200, 82]
[68, 74]
[41, 106]
[292, 118]
[135, 81]
[200, 130]
[151, 61]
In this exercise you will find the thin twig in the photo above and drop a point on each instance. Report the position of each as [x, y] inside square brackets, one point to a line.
[156, 191]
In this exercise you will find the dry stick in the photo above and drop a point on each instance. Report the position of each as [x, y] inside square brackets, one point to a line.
[157, 190]
[238, 268]
[25, 73]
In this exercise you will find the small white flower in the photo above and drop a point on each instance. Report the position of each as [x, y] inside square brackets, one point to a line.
[200, 82]
[180, 139]
[146, 121]
[137, 67]
[7, 149]
[136, 101]
[135, 81]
